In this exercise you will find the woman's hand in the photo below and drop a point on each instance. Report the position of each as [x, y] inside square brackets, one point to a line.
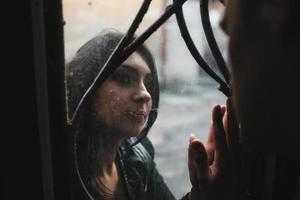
[214, 167]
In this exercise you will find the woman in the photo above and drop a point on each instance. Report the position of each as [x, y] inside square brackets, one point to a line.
[122, 109]
[112, 155]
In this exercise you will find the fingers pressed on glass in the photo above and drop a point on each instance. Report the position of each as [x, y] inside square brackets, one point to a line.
[198, 157]
[219, 133]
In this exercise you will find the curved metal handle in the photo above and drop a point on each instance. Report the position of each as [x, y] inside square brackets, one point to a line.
[212, 41]
[195, 53]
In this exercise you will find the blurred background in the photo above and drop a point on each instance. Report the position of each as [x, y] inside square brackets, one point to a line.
[187, 93]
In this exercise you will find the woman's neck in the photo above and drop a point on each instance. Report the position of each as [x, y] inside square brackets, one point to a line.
[108, 179]
[103, 144]
[102, 149]
[109, 153]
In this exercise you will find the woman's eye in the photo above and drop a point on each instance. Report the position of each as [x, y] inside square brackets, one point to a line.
[123, 79]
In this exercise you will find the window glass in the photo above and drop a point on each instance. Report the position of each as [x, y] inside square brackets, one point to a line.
[187, 94]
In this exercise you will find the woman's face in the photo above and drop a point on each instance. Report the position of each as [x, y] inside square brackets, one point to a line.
[123, 102]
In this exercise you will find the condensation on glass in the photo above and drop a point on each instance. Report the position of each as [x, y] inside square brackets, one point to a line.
[184, 87]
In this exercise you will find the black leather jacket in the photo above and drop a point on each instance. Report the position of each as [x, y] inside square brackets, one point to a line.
[141, 177]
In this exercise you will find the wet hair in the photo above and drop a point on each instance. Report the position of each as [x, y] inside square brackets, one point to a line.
[80, 74]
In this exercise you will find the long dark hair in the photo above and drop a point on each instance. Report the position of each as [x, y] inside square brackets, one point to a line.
[80, 74]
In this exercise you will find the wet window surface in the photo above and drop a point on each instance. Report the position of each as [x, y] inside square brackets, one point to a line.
[187, 94]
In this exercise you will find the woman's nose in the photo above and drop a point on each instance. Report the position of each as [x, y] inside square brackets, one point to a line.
[141, 94]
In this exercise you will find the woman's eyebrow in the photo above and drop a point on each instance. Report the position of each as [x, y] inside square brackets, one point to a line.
[129, 68]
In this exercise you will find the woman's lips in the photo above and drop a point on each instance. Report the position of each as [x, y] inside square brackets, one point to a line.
[137, 116]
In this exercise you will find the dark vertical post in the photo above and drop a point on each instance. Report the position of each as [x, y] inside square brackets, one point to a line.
[56, 92]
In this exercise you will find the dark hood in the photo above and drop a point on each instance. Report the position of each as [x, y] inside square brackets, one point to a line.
[85, 66]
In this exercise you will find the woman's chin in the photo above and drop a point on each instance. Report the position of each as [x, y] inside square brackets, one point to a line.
[133, 132]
